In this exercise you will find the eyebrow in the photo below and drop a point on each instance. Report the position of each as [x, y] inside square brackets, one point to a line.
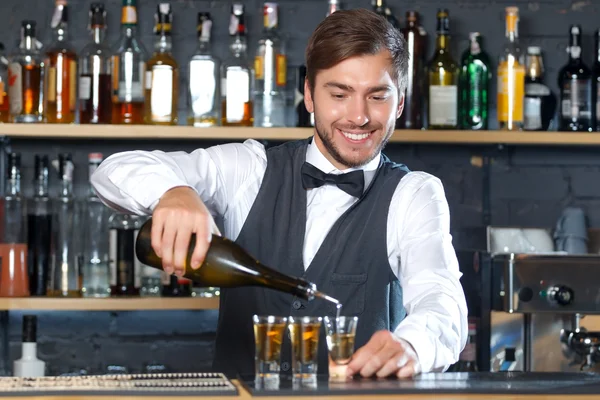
[348, 88]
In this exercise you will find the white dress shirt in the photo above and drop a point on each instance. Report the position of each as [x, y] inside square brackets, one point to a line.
[228, 178]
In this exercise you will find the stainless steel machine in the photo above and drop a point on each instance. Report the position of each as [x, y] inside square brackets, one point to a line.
[534, 309]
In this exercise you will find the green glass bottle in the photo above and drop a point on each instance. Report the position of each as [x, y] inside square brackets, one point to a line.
[474, 85]
[442, 75]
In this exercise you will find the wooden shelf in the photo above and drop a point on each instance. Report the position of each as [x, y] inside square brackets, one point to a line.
[108, 304]
[143, 132]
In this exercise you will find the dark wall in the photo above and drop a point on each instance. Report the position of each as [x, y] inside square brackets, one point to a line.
[529, 185]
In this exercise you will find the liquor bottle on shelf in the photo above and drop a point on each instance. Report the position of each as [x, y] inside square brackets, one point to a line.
[227, 265]
[25, 71]
[29, 365]
[474, 86]
[39, 229]
[416, 40]
[4, 102]
[65, 278]
[162, 73]
[511, 77]
[124, 266]
[95, 80]
[236, 75]
[60, 89]
[14, 277]
[95, 270]
[128, 66]
[270, 67]
[575, 83]
[540, 102]
[204, 79]
[380, 8]
[443, 75]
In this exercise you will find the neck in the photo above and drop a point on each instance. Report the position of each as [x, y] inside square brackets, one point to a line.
[163, 44]
[98, 33]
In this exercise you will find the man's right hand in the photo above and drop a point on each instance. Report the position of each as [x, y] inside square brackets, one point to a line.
[179, 213]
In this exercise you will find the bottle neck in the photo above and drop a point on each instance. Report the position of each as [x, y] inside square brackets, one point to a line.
[203, 46]
[28, 43]
[512, 35]
[442, 41]
[41, 187]
[128, 30]
[66, 188]
[98, 32]
[164, 43]
[14, 186]
[29, 350]
[238, 46]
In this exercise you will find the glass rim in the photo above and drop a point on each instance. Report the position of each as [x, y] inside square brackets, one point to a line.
[342, 318]
[268, 319]
[304, 320]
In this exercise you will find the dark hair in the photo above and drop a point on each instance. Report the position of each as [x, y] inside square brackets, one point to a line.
[356, 32]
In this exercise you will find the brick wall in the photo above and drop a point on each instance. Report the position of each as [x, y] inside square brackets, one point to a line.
[529, 185]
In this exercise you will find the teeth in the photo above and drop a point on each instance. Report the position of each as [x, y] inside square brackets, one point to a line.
[356, 136]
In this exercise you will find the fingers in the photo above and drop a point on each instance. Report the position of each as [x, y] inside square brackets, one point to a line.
[203, 237]
[399, 360]
[156, 234]
[182, 242]
[168, 241]
[408, 371]
[362, 356]
[379, 360]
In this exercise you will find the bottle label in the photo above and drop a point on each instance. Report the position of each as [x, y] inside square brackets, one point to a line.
[161, 95]
[15, 88]
[148, 80]
[203, 86]
[128, 15]
[533, 114]
[280, 70]
[85, 87]
[72, 84]
[130, 90]
[259, 69]
[51, 84]
[237, 93]
[443, 105]
[575, 99]
[511, 91]
[476, 88]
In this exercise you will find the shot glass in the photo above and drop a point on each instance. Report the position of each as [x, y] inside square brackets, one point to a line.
[340, 334]
[268, 336]
[304, 336]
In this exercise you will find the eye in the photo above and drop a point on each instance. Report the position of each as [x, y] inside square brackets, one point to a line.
[379, 98]
[338, 96]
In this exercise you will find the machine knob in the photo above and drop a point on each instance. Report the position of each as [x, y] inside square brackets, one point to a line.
[562, 295]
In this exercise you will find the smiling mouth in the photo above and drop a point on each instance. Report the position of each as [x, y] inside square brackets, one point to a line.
[357, 137]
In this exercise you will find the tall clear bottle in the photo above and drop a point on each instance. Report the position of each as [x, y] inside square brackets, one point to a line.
[14, 278]
[96, 273]
[65, 280]
[511, 77]
[162, 73]
[60, 88]
[575, 83]
[237, 75]
[95, 77]
[443, 75]
[39, 229]
[416, 41]
[25, 71]
[204, 79]
[4, 102]
[270, 66]
[129, 69]
[475, 77]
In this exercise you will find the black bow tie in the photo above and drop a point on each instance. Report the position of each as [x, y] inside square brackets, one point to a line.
[352, 183]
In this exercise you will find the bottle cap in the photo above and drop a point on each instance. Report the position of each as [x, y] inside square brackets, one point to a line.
[163, 18]
[443, 22]
[29, 329]
[270, 15]
[95, 157]
[412, 16]
[236, 20]
[534, 50]
[97, 14]
[204, 25]
[28, 28]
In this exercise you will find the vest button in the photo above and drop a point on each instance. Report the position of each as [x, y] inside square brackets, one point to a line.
[297, 304]
[285, 366]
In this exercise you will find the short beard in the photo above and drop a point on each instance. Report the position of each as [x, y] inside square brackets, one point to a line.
[327, 140]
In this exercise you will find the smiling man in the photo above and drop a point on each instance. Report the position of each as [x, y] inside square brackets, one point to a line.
[332, 209]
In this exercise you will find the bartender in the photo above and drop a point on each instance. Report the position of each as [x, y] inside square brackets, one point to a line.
[331, 208]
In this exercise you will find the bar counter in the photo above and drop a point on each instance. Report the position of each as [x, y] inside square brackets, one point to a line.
[244, 394]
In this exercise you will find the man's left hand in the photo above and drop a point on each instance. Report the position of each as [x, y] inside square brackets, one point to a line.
[385, 355]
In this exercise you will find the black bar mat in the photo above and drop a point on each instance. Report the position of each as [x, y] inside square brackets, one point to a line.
[433, 383]
[168, 384]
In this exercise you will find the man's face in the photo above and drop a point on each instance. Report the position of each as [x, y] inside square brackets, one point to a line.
[356, 104]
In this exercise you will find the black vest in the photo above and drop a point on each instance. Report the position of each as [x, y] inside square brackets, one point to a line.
[351, 265]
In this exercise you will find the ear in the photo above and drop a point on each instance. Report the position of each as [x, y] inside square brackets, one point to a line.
[308, 100]
[400, 106]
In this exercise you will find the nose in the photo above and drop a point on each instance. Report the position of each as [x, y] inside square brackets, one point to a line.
[358, 111]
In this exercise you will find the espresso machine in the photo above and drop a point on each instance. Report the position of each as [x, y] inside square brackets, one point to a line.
[534, 308]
